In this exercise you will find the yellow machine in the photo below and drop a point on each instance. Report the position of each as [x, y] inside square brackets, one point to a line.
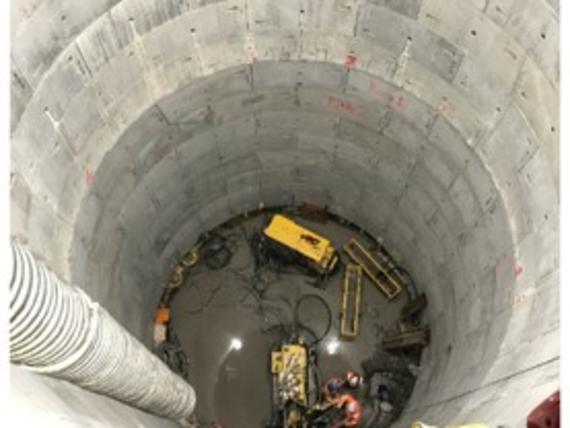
[374, 269]
[315, 249]
[350, 303]
[290, 370]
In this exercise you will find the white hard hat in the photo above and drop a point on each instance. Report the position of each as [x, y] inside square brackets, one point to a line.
[355, 381]
[351, 407]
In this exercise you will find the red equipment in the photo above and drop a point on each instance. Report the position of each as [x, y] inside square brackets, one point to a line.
[546, 414]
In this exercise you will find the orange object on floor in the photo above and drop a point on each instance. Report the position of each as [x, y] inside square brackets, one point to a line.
[162, 315]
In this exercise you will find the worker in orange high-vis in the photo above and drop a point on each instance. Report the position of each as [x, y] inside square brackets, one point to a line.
[352, 411]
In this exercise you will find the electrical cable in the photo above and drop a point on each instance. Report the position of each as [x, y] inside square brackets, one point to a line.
[215, 252]
[298, 323]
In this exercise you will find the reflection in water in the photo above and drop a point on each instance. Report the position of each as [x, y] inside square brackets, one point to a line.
[244, 382]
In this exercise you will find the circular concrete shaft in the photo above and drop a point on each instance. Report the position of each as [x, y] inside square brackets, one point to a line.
[432, 123]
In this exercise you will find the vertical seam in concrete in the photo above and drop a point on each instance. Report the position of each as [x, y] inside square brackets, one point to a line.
[402, 62]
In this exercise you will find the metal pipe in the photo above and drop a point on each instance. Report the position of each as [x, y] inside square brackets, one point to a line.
[56, 329]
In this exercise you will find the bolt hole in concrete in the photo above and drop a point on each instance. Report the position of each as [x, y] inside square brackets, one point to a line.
[254, 305]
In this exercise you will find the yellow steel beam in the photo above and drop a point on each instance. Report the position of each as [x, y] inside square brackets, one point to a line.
[375, 271]
[350, 304]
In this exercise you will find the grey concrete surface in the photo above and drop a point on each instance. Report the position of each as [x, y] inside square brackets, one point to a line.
[37, 400]
[433, 123]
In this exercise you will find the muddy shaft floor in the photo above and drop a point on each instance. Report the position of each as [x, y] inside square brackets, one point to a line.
[228, 320]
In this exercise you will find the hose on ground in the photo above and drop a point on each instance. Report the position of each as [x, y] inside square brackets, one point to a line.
[300, 325]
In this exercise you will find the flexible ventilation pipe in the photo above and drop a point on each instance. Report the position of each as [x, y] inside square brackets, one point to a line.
[56, 329]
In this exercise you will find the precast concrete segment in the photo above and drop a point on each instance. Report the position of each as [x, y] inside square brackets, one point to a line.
[55, 329]
[138, 124]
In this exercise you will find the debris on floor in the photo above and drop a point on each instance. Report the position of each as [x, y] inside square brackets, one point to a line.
[407, 337]
[391, 382]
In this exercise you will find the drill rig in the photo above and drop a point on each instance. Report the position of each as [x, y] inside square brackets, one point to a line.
[290, 370]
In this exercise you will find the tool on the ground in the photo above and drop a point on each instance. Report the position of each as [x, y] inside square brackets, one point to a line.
[350, 301]
[178, 274]
[161, 319]
[283, 235]
[373, 268]
[324, 415]
[408, 338]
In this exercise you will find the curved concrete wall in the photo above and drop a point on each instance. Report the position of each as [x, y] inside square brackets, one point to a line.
[137, 124]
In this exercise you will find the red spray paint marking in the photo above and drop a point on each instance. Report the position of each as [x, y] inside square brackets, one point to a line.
[350, 61]
[344, 106]
[517, 270]
[164, 150]
[522, 298]
[89, 177]
[399, 102]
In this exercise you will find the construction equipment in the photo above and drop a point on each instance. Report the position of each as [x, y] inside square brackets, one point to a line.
[378, 273]
[350, 301]
[546, 414]
[290, 238]
[176, 279]
[290, 369]
[413, 337]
